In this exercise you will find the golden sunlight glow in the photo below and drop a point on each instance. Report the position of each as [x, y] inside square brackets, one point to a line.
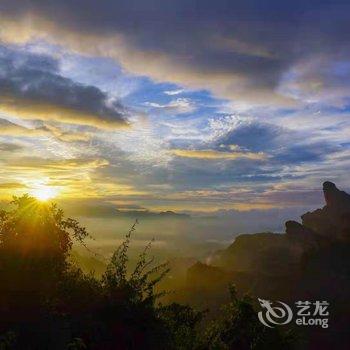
[44, 193]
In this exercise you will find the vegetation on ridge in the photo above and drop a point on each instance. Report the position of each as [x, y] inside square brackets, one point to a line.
[47, 302]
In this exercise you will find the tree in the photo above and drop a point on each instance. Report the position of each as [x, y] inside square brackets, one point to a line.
[46, 301]
[35, 242]
[39, 233]
[239, 328]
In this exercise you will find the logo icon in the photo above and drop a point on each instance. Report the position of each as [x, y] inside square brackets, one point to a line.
[272, 315]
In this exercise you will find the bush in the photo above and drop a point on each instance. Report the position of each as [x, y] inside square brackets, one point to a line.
[238, 328]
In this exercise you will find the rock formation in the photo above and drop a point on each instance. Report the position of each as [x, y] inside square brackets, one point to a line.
[295, 229]
[333, 220]
[311, 261]
[274, 254]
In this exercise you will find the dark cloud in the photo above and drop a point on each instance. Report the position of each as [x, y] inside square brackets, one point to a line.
[254, 136]
[305, 153]
[9, 147]
[31, 87]
[187, 174]
[238, 49]
[281, 145]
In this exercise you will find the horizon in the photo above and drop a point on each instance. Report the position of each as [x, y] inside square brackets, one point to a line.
[232, 109]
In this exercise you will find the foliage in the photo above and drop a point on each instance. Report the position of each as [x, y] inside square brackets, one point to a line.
[42, 292]
[7, 341]
[76, 344]
[46, 300]
[239, 328]
[39, 233]
[183, 324]
[141, 282]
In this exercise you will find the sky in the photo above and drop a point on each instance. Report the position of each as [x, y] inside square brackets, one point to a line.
[209, 108]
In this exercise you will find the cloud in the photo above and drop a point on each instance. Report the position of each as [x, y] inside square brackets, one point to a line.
[244, 48]
[260, 55]
[307, 152]
[10, 147]
[238, 50]
[12, 186]
[210, 154]
[62, 135]
[71, 176]
[42, 164]
[8, 128]
[322, 81]
[255, 136]
[99, 208]
[285, 146]
[176, 106]
[174, 92]
[12, 129]
[31, 87]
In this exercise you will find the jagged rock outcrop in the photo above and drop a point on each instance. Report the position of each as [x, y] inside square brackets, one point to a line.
[333, 220]
[311, 261]
[295, 229]
[335, 198]
[276, 254]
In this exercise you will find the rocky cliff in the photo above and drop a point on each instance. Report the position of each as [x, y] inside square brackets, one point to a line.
[310, 261]
[267, 263]
[278, 253]
[333, 220]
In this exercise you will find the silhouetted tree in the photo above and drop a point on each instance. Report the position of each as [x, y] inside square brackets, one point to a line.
[46, 302]
[35, 241]
[238, 328]
[38, 237]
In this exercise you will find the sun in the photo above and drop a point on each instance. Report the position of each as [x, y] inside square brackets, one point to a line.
[44, 193]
